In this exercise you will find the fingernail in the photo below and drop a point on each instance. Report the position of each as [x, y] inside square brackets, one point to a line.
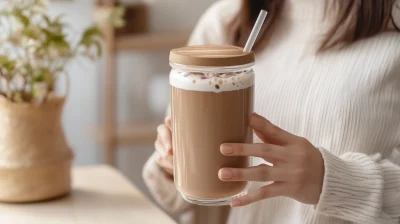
[251, 116]
[253, 121]
[256, 116]
[226, 149]
[235, 203]
[225, 174]
[169, 151]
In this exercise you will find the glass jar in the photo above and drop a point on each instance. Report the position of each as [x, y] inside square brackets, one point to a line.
[210, 106]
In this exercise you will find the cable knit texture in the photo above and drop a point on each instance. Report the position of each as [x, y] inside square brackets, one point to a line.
[346, 102]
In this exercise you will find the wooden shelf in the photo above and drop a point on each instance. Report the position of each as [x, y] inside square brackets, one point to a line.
[111, 135]
[126, 135]
[152, 41]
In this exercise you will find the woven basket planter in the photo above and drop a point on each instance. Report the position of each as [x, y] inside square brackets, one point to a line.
[35, 160]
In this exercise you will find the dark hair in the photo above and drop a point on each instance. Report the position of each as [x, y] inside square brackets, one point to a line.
[356, 19]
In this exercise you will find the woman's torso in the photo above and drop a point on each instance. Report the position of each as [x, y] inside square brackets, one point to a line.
[343, 100]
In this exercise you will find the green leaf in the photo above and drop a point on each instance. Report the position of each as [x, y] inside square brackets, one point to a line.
[56, 40]
[42, 75]
[46, 32]
[58, 19]
[91, 33]
[39, 78]
[47, 19]
[56, 37]
[59, 38]
[21, 17]
[6, 63]
[3, 59]
[31, 32]
[99, 49]
[91, 37]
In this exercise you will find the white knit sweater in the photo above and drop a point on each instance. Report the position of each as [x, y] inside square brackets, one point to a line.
[346, 102]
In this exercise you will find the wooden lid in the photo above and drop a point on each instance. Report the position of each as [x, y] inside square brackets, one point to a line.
[211, 55]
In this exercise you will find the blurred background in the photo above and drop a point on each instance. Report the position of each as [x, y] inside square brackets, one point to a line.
[139, 67]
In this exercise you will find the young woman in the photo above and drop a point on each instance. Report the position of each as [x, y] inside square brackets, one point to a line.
[328, 114]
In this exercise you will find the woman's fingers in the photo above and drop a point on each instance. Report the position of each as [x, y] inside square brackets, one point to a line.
[261, 137]
[167, 121]
[166, 163]
[163, 146]
[166, 137]
[268, 191]
[256, 173]
[160, 149]
[270, 132]
[266, 151]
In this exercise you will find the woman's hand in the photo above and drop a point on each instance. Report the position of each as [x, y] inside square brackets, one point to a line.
[163, 147]
[297, 171]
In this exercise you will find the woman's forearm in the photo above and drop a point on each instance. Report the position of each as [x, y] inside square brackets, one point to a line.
[360, 188]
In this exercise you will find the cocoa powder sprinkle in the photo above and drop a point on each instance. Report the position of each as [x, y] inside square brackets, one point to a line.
[217, 86]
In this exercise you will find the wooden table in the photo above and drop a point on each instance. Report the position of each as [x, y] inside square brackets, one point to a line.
[100, 195]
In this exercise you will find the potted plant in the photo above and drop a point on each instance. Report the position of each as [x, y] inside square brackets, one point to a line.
[35, 159]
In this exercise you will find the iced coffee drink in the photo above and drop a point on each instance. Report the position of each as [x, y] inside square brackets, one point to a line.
[211, 100]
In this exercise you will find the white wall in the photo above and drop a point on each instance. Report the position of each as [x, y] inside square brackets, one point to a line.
[83, 108]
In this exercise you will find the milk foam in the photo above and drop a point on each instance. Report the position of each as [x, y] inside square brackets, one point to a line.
[211, 82]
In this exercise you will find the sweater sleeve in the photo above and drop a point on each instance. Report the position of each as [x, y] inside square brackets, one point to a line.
[361, 188]
[163, 188]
